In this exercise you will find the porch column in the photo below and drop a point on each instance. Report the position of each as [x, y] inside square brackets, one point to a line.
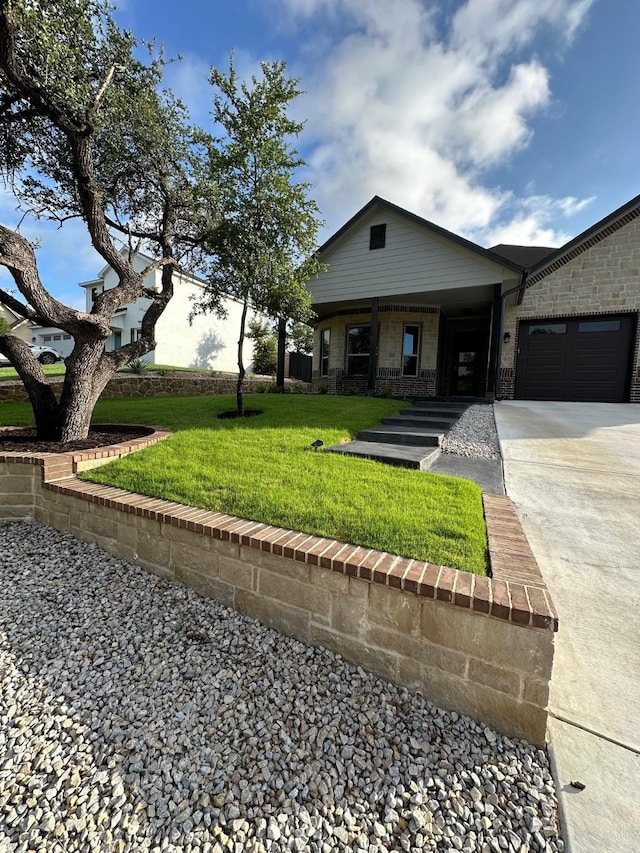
[373, 355]
[494, 348]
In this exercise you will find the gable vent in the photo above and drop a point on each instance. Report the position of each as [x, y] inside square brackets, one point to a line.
[378, 236]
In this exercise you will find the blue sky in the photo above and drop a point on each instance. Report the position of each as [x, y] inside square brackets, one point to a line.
[502, 120]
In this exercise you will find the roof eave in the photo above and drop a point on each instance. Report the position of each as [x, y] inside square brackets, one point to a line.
[424, 223]
[590, 233]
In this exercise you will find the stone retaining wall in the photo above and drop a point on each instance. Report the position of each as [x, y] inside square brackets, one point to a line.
[482, 646]
[173, 384]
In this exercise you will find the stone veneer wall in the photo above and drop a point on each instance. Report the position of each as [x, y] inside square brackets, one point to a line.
[173, 384]
[603, 279]
[391, 322]
[481, 646]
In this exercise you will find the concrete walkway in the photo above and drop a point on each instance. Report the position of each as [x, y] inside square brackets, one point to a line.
[573, 472]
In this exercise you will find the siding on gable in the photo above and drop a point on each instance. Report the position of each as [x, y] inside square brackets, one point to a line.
[413, 261]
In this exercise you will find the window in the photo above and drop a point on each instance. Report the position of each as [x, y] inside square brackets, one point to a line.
[548, 329]
[377, 236]
[66, 337]
[325, 338]
[46, 338]
[95, 292]
[465, 372]
[136, 334]
[358, 350]
[410, 345]
[57, 337]
[599, 326]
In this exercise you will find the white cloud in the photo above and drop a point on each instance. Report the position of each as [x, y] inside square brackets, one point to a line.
[491, 28]
[414, 105]
[527, 222]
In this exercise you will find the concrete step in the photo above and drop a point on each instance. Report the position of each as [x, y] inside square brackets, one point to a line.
[460, 402]
[392, 454]
[424, 421]
[402, 435]
[434, 411]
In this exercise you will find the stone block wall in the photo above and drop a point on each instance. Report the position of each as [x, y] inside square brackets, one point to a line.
[173, 384]
[482, 646]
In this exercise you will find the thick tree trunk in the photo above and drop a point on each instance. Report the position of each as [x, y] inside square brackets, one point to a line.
[241, 371]
[87, 374]
[46, 410]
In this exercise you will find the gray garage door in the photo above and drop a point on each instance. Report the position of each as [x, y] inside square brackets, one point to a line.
[582, 358]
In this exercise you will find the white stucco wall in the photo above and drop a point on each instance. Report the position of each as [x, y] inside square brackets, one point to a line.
[206, 342]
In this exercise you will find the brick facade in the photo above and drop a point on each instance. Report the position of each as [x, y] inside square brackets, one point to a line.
[391, 322]
[603, 279]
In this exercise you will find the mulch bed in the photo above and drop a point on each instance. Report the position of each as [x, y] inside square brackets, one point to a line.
[23, 440]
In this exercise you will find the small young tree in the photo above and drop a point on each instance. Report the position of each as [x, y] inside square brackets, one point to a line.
[84, 133]
[265, 352]
[263, 253]
[4, 326]
[301, 337]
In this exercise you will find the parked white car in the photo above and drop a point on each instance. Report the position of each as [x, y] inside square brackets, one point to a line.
[45, 355]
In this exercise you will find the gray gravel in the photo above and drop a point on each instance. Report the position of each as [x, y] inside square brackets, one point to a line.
[137, 716]
[474, 434]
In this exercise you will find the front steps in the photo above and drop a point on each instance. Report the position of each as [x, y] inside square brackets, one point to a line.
[411, 439]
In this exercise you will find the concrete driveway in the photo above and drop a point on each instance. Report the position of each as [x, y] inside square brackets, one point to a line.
[573, 472]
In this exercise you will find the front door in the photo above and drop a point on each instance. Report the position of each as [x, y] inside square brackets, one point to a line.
[465, 372]
[463, 354]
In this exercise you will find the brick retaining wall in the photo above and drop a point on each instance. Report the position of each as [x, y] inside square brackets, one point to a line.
[482, 646]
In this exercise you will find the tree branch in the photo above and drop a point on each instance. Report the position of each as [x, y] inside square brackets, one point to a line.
[19, 308]
[17, 255]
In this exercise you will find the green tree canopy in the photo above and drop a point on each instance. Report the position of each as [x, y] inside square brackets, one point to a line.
[85, 132]
[263, 252]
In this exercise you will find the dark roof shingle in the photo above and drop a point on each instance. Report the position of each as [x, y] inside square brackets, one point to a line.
[524, 256]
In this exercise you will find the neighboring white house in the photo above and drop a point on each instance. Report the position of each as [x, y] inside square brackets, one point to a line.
[20, 327]
[206, 342]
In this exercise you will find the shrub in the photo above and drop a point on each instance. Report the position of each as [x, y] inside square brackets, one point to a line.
[138, 365]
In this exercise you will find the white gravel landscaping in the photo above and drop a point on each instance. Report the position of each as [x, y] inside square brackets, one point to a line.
[137, 716]
[474, 434]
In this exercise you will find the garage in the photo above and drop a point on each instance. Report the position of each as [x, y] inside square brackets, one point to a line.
[585, 359]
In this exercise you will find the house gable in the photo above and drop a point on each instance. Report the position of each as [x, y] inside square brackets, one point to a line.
[417, 258]
[587, 240]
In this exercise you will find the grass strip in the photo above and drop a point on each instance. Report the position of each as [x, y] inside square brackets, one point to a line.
[264, 469]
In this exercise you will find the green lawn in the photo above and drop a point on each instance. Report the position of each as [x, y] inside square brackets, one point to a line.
[263, 468]
[57, 369]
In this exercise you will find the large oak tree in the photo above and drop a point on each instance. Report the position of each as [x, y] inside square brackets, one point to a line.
[85, 132]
